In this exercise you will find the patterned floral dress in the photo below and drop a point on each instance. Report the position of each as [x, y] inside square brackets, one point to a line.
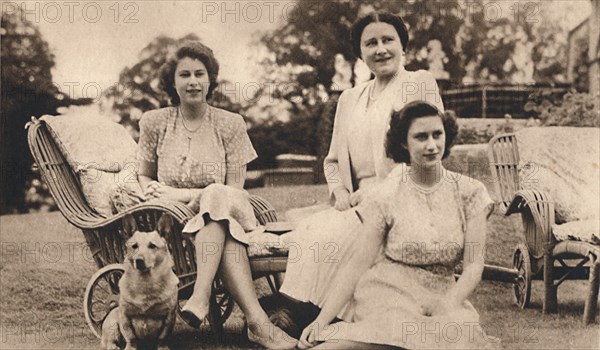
[196, 158]
[201, 158]
[424, 239]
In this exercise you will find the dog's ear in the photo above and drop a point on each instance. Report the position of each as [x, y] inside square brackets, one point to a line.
[129, 225]
[165, 225]
[170, 261]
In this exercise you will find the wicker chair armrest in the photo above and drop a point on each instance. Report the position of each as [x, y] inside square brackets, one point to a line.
[578, 248]
[263, 210]
[179, 211]
[541, 206]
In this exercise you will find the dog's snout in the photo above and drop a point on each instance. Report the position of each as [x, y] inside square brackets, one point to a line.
[139, 264]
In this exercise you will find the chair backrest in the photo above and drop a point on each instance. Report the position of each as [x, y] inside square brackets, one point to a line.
[503, 155]
[60, 178]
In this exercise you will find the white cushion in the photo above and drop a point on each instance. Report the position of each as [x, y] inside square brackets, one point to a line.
[581, 230]
[563, 162]
[101, 187]
[89, 139]
[100, 151]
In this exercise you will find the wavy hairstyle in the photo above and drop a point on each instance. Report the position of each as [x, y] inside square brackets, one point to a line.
[378, 17]
[401, 121]
[194, 50]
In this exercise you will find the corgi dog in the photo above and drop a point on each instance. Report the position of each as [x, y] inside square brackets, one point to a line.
[148, 291]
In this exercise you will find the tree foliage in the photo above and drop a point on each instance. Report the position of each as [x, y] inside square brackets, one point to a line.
[573, 109]
[480, 39]
[317, 31]
[304, 48]
[482, 43]
[139, 87]
[27, 90]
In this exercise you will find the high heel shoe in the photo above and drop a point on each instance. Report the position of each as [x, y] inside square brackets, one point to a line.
[279, 340]
[192, 315]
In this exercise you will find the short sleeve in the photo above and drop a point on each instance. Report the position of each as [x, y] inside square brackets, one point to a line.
[373, 212]
[476, 200]
[148, 142]
[238, 147]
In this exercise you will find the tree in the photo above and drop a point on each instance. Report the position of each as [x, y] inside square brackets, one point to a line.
[27, 90]
[139, 87]
[317, 31]
[482, 40]
[480, 44]
[304, 49]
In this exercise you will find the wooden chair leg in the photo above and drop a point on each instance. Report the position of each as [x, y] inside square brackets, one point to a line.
[550, 303]
[278, 277]
[589, 313]
[216, 321]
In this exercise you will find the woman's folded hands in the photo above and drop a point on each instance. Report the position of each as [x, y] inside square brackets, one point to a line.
[312, 333]
[157, 190]
[318, 331]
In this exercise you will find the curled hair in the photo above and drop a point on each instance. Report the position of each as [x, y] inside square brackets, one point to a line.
[378, 17]
[400, 122]
[194, 50]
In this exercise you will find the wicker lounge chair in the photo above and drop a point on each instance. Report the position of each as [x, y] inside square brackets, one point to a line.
[541, 256]
[106, 239]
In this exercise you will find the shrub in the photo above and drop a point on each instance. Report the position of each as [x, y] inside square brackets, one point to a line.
[472, 135]
[481, 130]
[37, 196]
[574, 109]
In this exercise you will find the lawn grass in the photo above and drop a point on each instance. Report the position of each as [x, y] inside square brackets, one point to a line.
[45, 267]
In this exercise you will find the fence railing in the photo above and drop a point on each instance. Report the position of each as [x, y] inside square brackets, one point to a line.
[494, 101]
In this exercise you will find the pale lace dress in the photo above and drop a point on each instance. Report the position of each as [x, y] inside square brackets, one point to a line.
[424, 238]
[320, 238]
[201, 158]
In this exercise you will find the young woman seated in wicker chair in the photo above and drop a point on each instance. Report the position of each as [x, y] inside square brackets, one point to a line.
[195, 153]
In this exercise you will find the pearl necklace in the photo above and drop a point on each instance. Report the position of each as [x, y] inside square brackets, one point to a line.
[183, 119]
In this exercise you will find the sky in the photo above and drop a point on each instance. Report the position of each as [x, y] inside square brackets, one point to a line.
[94, 40]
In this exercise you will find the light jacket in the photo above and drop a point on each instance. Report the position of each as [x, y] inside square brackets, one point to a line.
[405, 88]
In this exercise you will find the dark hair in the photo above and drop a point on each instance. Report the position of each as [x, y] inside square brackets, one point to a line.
[376, 17]
[401, 121]
[194, 50]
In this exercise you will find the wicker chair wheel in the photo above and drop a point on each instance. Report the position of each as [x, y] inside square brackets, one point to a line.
[221, 298]
[522, 285]
[101, 296]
